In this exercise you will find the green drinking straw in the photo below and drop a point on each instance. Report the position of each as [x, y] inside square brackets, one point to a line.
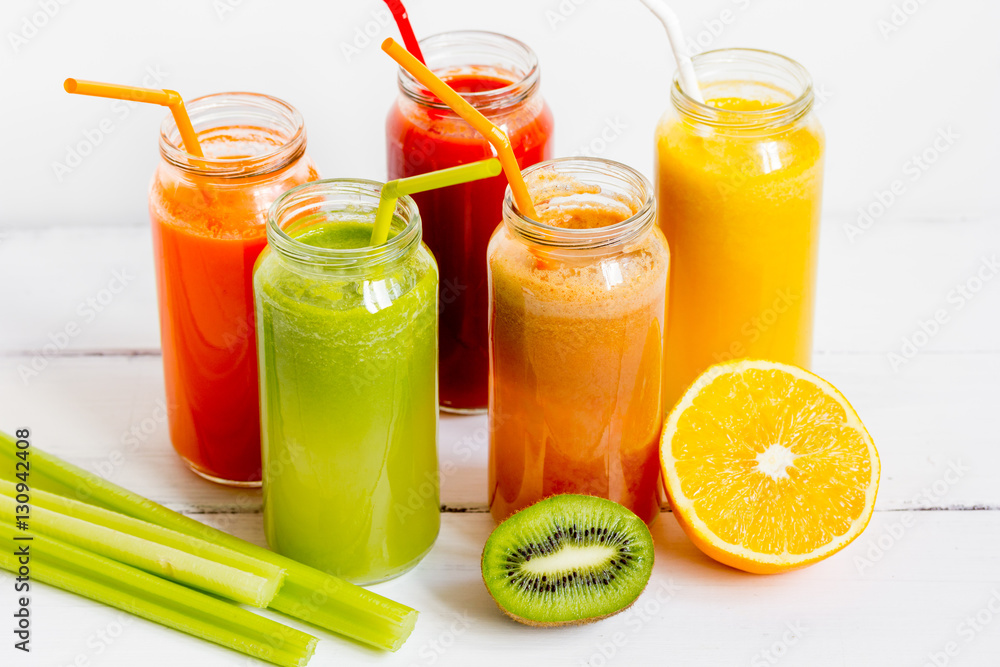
[393, 190]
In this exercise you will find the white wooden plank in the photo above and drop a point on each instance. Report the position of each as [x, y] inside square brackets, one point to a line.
[77, 290]
[873, 291]
[877, 288]
[867, 606]
[928, 420]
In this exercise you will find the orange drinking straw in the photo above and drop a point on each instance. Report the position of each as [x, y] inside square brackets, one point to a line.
[167, 98]
[493, 134]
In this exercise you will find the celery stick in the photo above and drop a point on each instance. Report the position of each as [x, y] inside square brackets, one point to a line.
[273, 574]
[163, 561]
[129, 589]
[307, 594]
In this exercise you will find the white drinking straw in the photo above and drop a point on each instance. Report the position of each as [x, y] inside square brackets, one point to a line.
[689, 82]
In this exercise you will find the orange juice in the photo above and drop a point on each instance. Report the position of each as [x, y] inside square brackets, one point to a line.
[739, 187]
[577, 307]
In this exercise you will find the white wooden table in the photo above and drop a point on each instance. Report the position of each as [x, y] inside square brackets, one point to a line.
[920, 587]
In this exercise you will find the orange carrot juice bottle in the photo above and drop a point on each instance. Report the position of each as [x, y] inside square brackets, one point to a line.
[739, 184]
[209, 218]
[577, 309]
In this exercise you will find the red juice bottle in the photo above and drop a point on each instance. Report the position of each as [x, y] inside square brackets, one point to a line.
[499, 76]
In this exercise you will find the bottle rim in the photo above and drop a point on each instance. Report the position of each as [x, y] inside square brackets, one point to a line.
[765, 67]
[319, 201]
[274, 118]
[587, 170]
[518, 58]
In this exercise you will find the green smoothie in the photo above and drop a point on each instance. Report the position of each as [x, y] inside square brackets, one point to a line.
[348, 373]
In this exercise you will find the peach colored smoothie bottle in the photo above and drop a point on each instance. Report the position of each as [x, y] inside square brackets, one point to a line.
[739, 185]
[577, 307]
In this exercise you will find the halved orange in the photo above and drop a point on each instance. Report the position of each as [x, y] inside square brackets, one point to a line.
[768, 467]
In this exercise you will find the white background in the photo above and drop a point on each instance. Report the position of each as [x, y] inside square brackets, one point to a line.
[601, 60]
[892, 75]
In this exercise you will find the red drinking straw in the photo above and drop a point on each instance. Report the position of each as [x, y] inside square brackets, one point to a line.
[405, 30]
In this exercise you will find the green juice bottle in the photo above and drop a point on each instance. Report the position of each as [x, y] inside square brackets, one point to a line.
[347, 342]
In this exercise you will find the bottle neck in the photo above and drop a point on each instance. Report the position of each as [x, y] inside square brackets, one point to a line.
[609, 184]
[777, 90]
[476, 56]
[243, 135]
[339, 200]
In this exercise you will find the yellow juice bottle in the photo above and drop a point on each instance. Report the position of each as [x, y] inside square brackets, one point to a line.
[739, 183]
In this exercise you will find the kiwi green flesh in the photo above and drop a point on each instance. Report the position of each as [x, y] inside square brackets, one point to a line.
[568, 559]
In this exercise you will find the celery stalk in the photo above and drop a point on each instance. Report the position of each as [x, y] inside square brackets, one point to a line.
[307, 594]
[79, 571]
[167, 562]
[273, 576]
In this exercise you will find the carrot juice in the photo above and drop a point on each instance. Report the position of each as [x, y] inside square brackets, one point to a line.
[208, 216]
[577, 314]
[739, 188]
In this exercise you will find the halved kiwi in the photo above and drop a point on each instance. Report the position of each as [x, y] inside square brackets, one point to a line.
[568, 560]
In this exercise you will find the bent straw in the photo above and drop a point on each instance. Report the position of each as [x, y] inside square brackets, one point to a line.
[497, 137]
[405, 29]
[167, 98]
[689, 82]
[442, 178]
